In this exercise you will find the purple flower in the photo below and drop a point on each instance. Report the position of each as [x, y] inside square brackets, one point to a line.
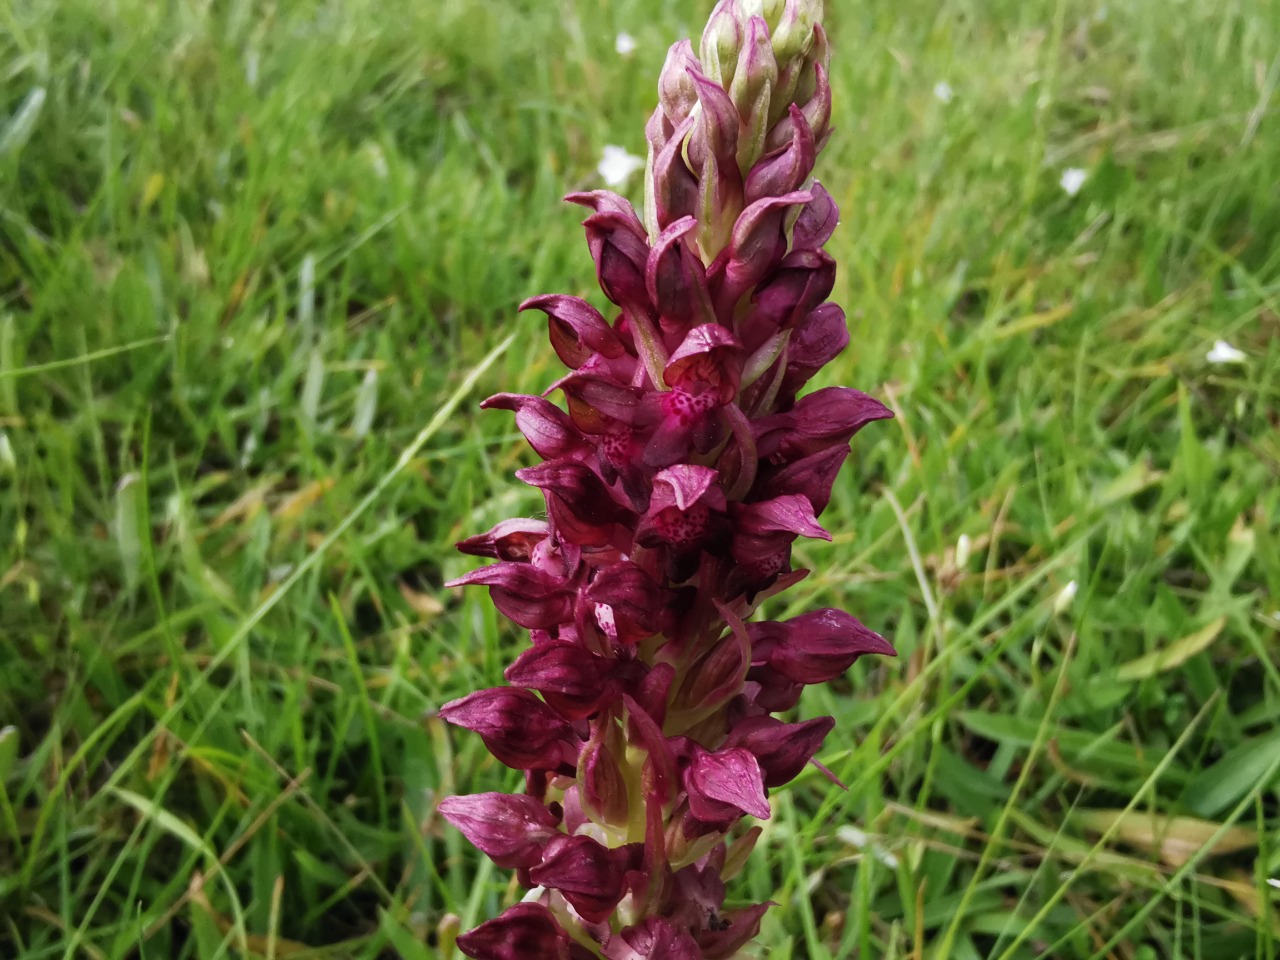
[683, 465]
[512, 830]
[524, 931]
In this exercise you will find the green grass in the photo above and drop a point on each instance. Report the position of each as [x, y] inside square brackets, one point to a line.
[248, 251]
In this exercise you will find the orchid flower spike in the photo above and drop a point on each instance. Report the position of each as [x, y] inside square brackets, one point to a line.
[684, 463]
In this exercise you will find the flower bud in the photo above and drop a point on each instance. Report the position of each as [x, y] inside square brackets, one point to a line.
[574, 682]
[786, 168]
[721, 40]
[581, 506]
[637, 603]
[590, 875]
[652, 939]
[801, 282]
[518, 728]
[524, 931]
[781, 749]
[676, 91]
[510, 829]
[676, 280]
[818, 420]
[524, 593]
[671, 189]
[751, 90]
[818, 339]
[508, 540]
[732, 929]
[793, 36]
[577, 330]
[758, 242]
[817, 221]
[618, 244]
[816, 110]
[602, 786]
[544, 425]
[716, 676]
[815, 647]
[713, 149]
[724, 785]
[811, 477]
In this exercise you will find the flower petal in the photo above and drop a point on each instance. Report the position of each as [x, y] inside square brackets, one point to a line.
[518, 728]
[523, 931]
[590, 875]
[511, 829]
[728, 781]
[527, 595]
[815, 647]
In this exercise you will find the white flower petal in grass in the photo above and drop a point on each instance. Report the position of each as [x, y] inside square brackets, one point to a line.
[861, 841]
[964, 548]
[943, 92]
[1275, 882]
[1224, 352]
[366, 405]
[1062, 602]
[625, 44]
[617, 166]
[1073, 179]
[8, 462]
[279, 572]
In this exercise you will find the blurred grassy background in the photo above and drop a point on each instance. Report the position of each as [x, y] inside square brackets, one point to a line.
[249, 249]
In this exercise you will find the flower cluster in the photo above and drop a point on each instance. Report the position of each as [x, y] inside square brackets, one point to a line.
[680, 470]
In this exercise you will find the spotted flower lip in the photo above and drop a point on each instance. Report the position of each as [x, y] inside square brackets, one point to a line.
[681, 458]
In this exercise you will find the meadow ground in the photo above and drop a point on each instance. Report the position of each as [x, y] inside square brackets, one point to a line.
[252, 255]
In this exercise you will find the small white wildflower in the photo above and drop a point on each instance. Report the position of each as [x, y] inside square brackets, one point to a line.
[942, 90]
[1073, 179]
[8, 463]
[625, 44]
[1224, 352]
[964, 547]
[617, 166]
[1274, 881]
[1062, 602]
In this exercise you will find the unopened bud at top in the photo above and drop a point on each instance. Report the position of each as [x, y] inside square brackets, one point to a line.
[771, 10]
[793, 32]
[752, 87]
[721, 41]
